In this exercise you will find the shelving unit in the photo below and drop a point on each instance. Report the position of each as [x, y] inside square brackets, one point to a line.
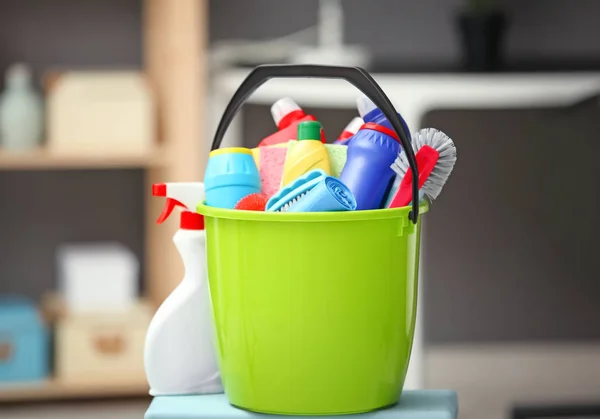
[44, 159]
[55, 390]
[173, 48]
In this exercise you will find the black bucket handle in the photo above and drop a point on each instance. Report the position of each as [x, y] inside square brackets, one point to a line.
[354, 75]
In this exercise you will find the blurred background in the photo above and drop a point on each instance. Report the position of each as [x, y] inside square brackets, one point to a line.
[101, 98]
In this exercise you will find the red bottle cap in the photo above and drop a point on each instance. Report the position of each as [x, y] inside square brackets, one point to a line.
[191, 221]
[380, 128]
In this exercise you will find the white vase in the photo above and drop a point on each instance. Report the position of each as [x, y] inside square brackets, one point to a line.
[21, 111]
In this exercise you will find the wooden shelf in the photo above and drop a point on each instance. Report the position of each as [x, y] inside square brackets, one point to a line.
[57, 390]
[44, 159]
[174, 55]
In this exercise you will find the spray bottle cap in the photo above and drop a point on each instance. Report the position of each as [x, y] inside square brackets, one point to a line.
[309, 130]
[284, 107]
[370, 113]
[364, 106]
[191, 220]
[185, 195]
[354, 125]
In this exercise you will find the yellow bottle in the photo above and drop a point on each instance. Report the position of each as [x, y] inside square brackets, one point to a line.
[307, 154]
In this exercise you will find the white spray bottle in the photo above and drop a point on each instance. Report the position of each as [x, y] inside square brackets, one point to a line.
[179, 354]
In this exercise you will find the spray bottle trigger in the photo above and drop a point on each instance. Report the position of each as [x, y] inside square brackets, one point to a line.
[168, 209]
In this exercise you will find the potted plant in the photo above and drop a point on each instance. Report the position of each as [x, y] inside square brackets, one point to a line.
[482, 26]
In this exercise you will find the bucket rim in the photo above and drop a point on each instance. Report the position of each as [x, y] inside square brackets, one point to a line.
[365, 215]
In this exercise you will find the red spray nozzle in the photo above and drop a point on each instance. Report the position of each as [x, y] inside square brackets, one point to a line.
[179, 194]
[168, 209]
[160, 189]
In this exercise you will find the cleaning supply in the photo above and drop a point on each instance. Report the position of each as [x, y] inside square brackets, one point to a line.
[436, 156]
[272, 161]
[337, 158]
[348, 132]
[306, 154]
[230, 175]
[297, 334]
[288, 195]
[252, 202]
[367, 172]
[256, 156]
[328, 195]
[371, 114]
[287, 115]
[347, 326]
[315, 191]
[394, 189]
[179, 353]
[256, 151]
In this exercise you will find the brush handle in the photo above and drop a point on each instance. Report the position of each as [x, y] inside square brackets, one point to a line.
[404, 194]
[354, 75]
[427, 158]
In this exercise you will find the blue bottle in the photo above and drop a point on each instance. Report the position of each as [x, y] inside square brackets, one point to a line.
[373, 149]
[231, 174]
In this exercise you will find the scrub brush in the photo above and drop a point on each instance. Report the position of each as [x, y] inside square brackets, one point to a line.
[435, 154]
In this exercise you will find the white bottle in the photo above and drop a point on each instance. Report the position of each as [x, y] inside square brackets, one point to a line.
[179, 355]
[21, 113]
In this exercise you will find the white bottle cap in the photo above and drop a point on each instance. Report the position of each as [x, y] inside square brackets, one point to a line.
[354, 125]
[364, 105]
[283, 107]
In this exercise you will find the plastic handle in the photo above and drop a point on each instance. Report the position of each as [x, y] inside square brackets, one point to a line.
[354, 75]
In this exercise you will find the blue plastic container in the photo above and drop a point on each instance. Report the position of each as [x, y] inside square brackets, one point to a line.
[367, 172]
[24, 342]
[371, 152]
[231, 174]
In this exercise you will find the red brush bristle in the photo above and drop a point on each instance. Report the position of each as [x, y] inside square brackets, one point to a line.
[252, 202]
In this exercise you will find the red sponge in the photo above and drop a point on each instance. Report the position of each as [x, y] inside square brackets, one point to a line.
[252, 202]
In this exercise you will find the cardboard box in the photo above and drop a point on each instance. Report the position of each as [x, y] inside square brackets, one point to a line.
[97, 346]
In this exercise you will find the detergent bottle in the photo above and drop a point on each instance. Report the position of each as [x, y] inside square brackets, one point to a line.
[373, 149]
[179, 354]
[287, 115]
[307, 154]
[348, 132]
[231, 174]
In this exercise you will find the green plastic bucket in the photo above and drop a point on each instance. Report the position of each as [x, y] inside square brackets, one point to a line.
[314, 312]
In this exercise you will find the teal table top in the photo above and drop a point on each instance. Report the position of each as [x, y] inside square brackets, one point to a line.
[414, 404]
